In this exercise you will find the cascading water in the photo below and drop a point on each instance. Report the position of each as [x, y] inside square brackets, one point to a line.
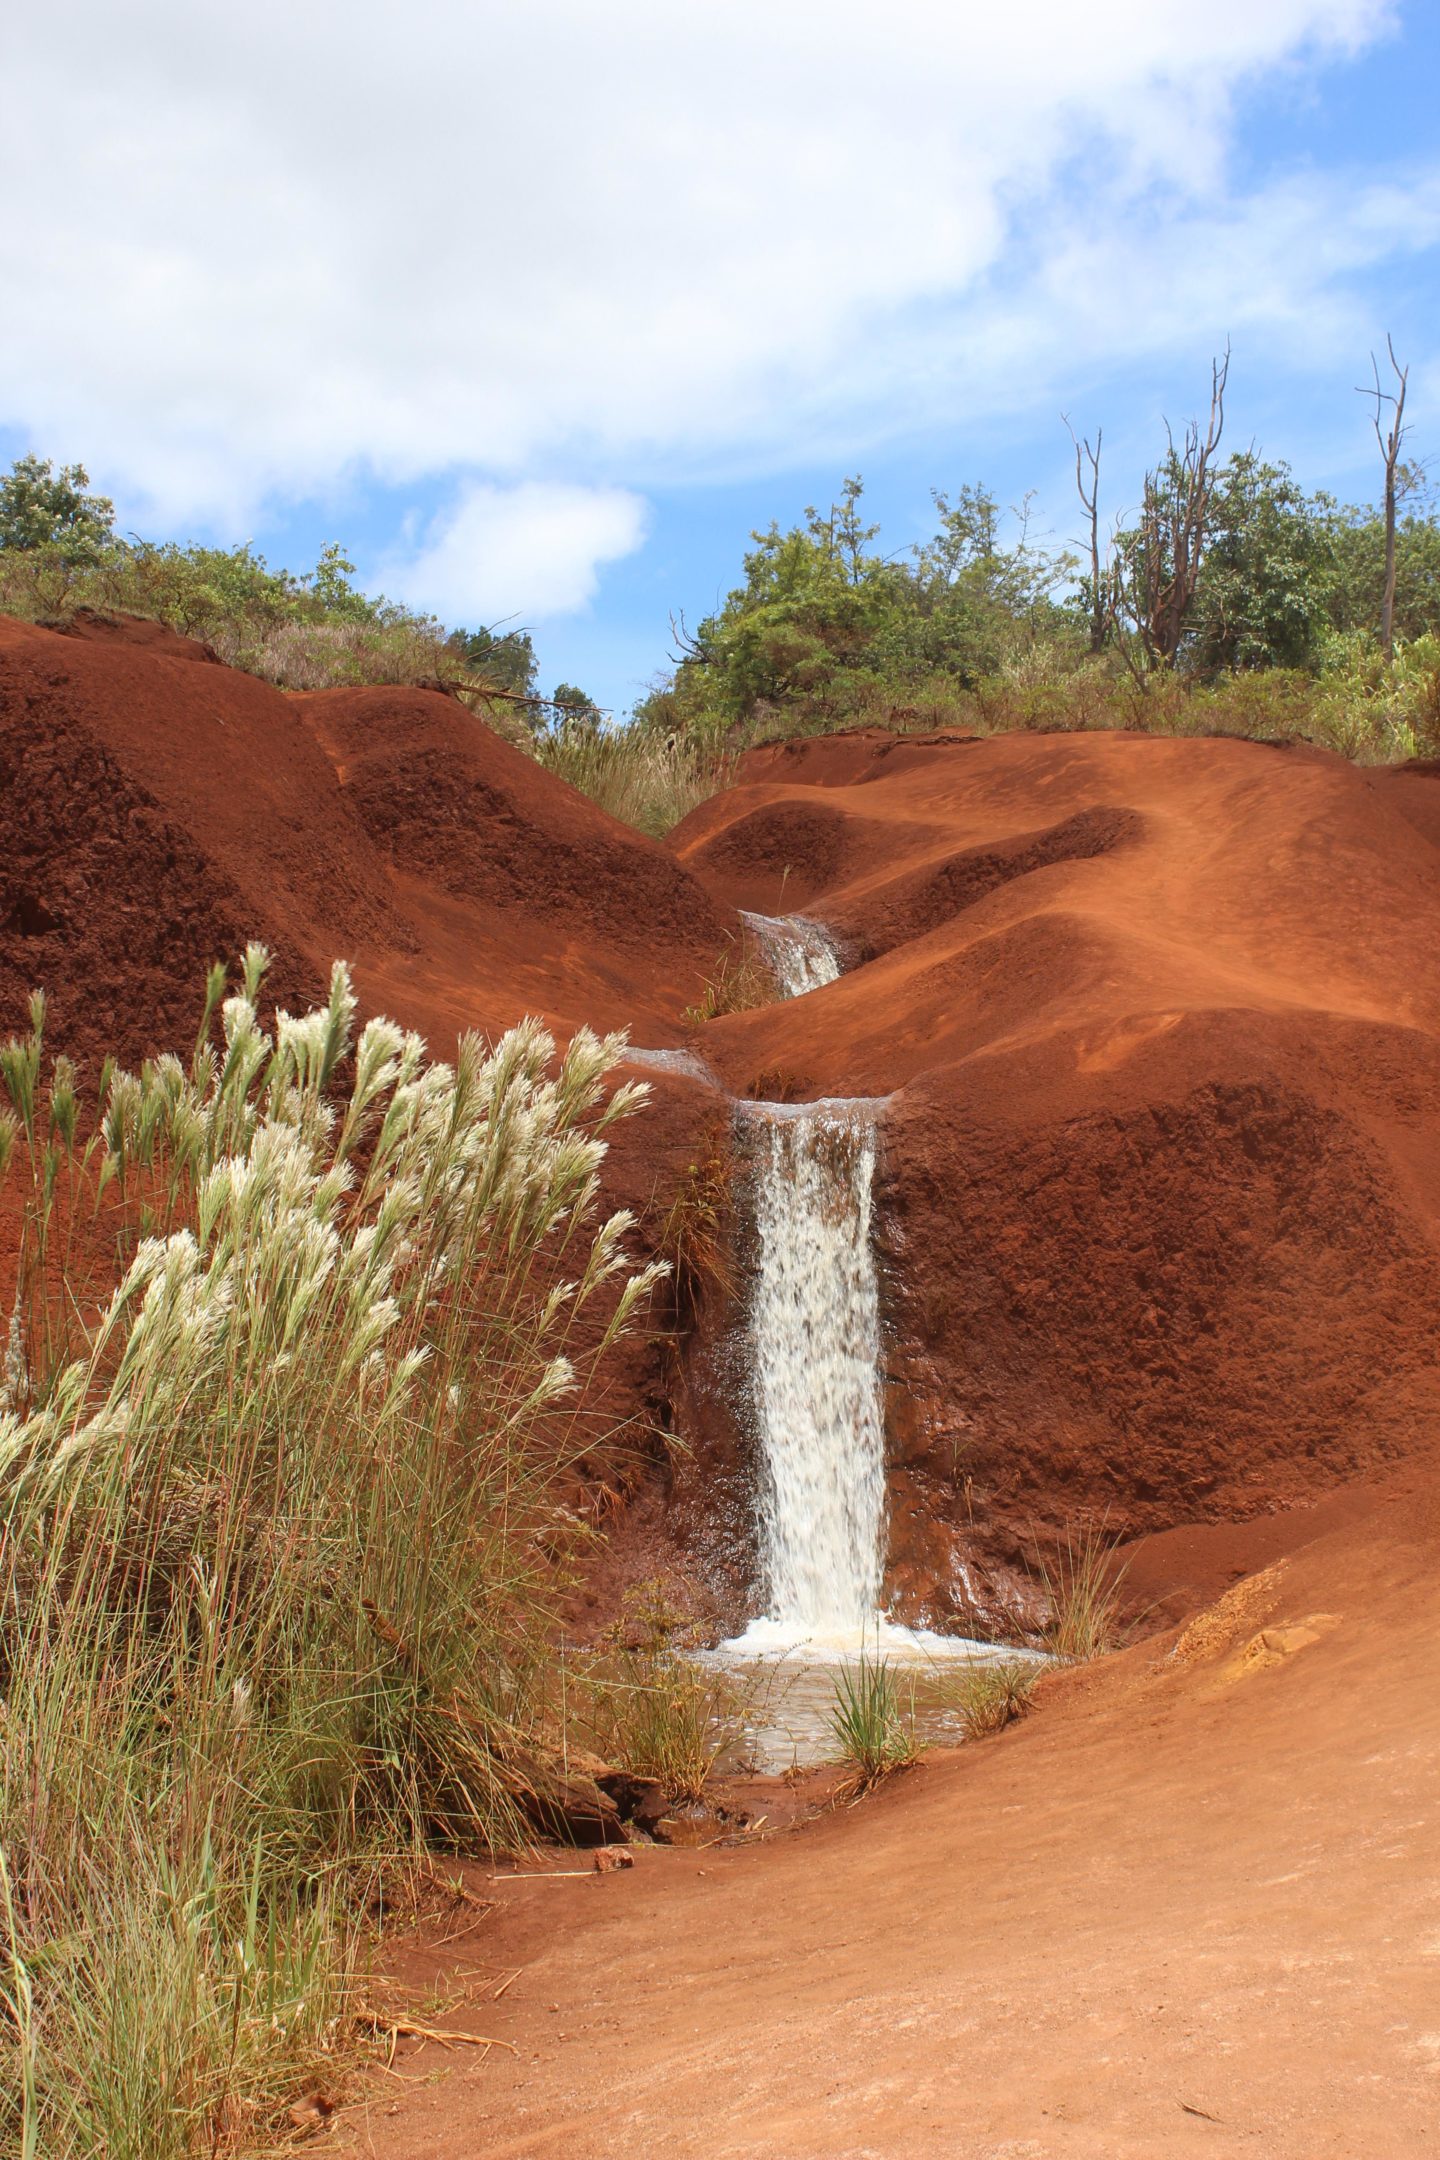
[815, 1349]
[815, 1334]
[815, 1378]
[801, 952]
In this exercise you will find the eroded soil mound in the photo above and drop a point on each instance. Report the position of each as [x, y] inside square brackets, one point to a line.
[1160, 1193]
[156, 813]
[1159, 1021]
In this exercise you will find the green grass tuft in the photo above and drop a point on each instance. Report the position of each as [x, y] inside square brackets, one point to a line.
[869, 1723]
[1084, 1583]
[988, 1697]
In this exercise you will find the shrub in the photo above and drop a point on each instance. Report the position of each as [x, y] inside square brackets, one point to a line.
[274, 1598]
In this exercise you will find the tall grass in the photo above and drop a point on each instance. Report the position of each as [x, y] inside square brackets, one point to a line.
[652, 1709]
[645, 779]
[1085, 1586]
[273, 1578]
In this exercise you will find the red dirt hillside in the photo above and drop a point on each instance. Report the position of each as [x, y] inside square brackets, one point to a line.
[1160, 1194]
[157, 810]
[1159, 1197]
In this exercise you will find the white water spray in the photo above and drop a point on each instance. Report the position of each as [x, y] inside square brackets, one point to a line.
[801, 952]
[815, 1331]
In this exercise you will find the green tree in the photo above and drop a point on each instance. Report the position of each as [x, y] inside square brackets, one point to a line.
[575, 707]
[1358, 541]
[505, 658]
[330, 583]
[1267, 583]
[42, 508]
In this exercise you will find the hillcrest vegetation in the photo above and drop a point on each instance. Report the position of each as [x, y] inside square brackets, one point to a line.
[1228, 601]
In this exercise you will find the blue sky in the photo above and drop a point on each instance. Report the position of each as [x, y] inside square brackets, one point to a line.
[540, 311]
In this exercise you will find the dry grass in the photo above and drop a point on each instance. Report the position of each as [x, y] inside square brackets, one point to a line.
[695, 1233]
[1084, 1584]
[989, 1697]
[648, 1707]
[275, 1589]
[742, 980]
[645, 780]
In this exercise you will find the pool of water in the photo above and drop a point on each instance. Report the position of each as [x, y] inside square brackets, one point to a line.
[785, 1685]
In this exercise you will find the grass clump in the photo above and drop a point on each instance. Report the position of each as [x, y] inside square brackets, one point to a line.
[694, 1233]
[991, 1696]
[647, 779]
[649, 1707]
[742, 980]
[1085, 1586]
[870, 1725]
[275, 1600]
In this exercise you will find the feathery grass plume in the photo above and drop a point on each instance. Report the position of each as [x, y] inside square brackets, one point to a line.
[869, 1722]
[276, 1573]
[20, 1060]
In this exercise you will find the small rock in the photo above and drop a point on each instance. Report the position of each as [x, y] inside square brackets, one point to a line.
[316, 2108]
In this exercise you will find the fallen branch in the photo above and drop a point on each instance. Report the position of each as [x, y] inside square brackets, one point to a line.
[407, 2029]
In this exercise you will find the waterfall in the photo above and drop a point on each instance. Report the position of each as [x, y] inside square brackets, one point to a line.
[801, 952]
[815, 1337]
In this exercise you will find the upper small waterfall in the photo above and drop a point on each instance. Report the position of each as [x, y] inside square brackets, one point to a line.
[815, 1329]
[801, 952]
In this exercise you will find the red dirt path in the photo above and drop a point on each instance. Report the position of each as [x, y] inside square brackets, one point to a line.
[1192, 1906]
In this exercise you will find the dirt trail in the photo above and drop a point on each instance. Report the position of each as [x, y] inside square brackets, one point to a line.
[1192, 1906]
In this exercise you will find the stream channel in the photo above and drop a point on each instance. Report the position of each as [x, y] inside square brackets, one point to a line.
[817, 1405]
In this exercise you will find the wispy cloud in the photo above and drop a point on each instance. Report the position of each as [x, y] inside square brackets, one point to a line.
[533, 550]
[511, 246]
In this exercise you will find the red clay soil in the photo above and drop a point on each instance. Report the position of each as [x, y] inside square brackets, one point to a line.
[1159, 1193]
[1190, 1906]
[1160, 1190]
[159, 810]
[1159, 1212]
[155, 814]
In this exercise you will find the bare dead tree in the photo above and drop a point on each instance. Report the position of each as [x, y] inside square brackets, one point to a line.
[691, 648]
[1090, 503]
[1390, 441]
[1158, 568]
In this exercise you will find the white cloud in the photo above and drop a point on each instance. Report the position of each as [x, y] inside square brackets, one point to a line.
[530, 551]
[281, 244]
